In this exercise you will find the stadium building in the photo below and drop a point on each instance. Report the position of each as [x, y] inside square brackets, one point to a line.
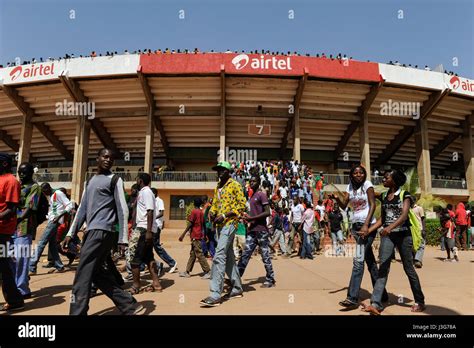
[188, 110]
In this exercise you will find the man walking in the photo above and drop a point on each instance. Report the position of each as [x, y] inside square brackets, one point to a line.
[9, 199]
[26, 226]
[258, 232]
[227, 206]
[102, 205]
[59, 205]
[160, 211]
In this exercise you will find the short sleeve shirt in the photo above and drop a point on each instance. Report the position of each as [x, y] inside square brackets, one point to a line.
[196, 218]
[9, 193]
[359, 200]
[392, 210]
[145, 202]
[257, 206]
[159, 206]
[29, 198]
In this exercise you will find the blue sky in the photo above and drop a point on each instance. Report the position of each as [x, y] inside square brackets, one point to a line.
[432, 32]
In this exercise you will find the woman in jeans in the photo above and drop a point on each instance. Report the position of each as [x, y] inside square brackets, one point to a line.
[360, 195]
[396, 232]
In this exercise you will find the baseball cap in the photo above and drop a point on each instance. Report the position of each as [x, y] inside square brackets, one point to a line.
[223, 165]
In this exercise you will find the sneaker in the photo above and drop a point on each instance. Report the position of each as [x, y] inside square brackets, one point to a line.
[174, 268]
[418, 264]
[268, 284]
[447, 260]
[455, 259]
[48, 265]
[26, 296]
[210, 302]
[185, 275]
[139, 310]
[233, 295]
[206, 275]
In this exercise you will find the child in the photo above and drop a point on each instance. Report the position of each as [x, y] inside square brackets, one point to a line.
[196, 224]
[447, 228]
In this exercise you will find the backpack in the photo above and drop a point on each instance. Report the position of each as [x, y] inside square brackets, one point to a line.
[415, 226]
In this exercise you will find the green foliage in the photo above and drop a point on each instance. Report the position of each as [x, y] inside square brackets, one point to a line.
[432, 231]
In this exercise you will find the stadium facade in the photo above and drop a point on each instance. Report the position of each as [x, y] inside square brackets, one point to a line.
[189, 109]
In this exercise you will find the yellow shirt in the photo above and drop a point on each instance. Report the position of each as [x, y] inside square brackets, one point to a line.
[229, 198]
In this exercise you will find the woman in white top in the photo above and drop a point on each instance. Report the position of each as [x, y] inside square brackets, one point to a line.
[360, 195]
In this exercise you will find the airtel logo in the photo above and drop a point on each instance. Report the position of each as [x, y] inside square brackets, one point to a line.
[16, 72]
[31, 71]
[242, 60]
[455, 82]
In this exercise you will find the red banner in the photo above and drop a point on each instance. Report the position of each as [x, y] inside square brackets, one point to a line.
[255, 64]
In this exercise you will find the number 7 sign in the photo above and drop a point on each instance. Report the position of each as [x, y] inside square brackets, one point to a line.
[259, 129]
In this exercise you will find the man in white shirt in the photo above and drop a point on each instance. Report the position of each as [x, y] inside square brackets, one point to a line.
[59, 205]
[420, 216]
[296, 218]
[160, 211]
[140, 247]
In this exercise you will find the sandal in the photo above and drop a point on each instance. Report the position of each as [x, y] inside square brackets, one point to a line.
[134, 291]
[8, 307]
[152, 288]
[348, 304]
[417, 307]
[370, 309]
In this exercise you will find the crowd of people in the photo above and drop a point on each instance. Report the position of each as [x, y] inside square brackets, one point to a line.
[271, 208]
[149, 51]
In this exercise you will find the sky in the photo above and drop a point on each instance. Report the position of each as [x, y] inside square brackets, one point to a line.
[417, 32]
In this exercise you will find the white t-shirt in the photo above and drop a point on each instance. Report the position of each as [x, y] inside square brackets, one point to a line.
[308, 220]
[322, 210]
[159, 206]
[359, 202]
[297, 213]
[283, 192]
[145, 202]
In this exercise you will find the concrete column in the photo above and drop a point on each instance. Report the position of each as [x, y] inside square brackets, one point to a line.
[25, 139]
[296, 137]
[364, 143]
[468, 154]
[81, 154]
[222, 135]
[149, 140]
[423, 156]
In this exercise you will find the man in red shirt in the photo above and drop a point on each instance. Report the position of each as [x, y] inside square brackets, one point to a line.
[461, 226]
[9, 200]
[196, 226]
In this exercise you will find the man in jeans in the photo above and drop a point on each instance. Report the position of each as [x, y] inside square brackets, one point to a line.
[102, 206]
[227, 206]
[59, 205]
[9, 200]
[297, 211]
[160, 211]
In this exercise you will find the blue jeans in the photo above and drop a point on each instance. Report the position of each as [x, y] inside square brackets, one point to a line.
[365, 253]
[316, 240]
[209, 247]
[404, 243]
[224, 263]
[306, 250]
[261, 239]
[161, 251]
[279, 236]
[22, 263]
[337, 239]
[49, 236]
[421, 251]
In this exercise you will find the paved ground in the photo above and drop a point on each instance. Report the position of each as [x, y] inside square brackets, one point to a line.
[303, 287]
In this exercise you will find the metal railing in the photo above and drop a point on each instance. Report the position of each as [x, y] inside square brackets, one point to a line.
[452, 184]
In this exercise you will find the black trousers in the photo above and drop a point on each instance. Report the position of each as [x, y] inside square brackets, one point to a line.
[10, 292]
[95, 266]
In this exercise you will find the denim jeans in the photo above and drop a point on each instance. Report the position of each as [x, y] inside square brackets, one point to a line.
[209, 246]
[365, 253]
[404, 242]
[49, 236]
[161, 251]
[224, 263]
[10, 291]
[291, 239]
[421, 251]
[22, 263]
[262, 240]
[337, 239]
[279, 237]
[306, 250]
[316, 240]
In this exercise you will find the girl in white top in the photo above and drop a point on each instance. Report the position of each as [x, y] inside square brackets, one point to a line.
[360, 195]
